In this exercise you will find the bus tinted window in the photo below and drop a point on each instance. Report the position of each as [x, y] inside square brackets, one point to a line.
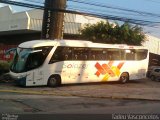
[114, 54]
[83, 53]
[130, 54]
[80, 53]
[97, 54]
[61, 54]
[34, 60]
[66, 53]
[141, 54]
[57, 55]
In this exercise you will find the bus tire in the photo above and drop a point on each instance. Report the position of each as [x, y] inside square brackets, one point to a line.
[54, 81]
[124, 78]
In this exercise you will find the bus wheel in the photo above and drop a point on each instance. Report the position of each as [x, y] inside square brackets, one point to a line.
[54, 81]
[124, 78]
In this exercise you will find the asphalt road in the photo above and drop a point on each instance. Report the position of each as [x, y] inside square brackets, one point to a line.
[81, 100]
[47, 104]
[19, 103]
[141, 89]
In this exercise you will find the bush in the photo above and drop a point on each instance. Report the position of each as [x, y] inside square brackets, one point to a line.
[4, 67]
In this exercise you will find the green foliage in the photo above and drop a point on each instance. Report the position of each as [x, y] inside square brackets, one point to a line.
[106, 32]
[4, 67]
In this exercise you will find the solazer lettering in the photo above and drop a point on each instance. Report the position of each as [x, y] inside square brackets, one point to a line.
[83, 66]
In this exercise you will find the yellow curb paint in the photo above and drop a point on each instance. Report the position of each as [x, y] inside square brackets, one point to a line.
[21, 91]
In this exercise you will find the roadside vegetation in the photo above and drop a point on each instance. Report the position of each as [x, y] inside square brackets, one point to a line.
[4, 67]
[113, 33]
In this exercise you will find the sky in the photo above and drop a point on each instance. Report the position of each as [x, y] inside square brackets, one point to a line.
[149, 6]
[107, 7]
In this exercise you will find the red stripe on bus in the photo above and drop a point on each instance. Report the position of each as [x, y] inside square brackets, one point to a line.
[120, 65]
[100, 68]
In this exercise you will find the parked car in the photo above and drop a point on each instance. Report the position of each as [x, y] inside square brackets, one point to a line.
[155, 74]
[150, 69]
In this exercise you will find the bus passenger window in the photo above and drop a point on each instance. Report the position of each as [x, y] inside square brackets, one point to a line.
[80, 53]
[61, 54]
[93, 57]
[57, 55]
[109, 56]
[122, 54]
[76, 57]
[130, 54]
[67, 53]
[85, 57]
[114, 54]
[141, 54]
[96, 54]
[66, 57]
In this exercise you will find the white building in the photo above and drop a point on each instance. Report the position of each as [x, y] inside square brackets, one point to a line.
[153, 44]
[32, 21]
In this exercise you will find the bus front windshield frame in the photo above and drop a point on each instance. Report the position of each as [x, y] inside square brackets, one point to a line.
[27, 58]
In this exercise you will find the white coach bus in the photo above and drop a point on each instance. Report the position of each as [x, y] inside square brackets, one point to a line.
[48, 62]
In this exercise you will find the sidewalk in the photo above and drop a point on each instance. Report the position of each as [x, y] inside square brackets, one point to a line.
[140, 90]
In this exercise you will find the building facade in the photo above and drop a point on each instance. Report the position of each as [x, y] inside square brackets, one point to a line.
[24, 26]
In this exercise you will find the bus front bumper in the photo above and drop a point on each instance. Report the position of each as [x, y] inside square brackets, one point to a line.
[19, 80]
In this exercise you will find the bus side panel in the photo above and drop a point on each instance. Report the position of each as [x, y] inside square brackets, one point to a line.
[136, 69]
[80, 72]
[85, 71]
[95, 71]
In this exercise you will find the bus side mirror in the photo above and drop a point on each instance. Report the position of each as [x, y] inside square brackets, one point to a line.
[10, 50]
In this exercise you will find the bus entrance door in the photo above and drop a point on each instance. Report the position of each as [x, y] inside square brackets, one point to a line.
[34, 77]
[38, 77]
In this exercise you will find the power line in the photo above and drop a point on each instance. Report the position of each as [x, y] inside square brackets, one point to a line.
[104, 16]
[100, 10]
[153, 1]
[115, 8]
[34, 1]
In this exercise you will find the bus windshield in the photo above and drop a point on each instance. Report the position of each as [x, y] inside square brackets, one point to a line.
[27, 59]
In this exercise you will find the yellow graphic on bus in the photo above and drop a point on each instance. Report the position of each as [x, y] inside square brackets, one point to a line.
[108, 70]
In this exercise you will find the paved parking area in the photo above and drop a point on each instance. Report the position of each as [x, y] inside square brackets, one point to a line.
[141, 89]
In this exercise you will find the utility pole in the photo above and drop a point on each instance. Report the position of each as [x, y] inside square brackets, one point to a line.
[52, 26]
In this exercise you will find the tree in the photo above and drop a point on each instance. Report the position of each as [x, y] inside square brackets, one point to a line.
[106, 32]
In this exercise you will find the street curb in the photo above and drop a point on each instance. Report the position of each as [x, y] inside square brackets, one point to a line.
[28, 92]
[76, 95]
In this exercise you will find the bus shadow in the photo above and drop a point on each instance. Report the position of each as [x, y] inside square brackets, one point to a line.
[95, 83]
[83, 84]
[103, 83]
